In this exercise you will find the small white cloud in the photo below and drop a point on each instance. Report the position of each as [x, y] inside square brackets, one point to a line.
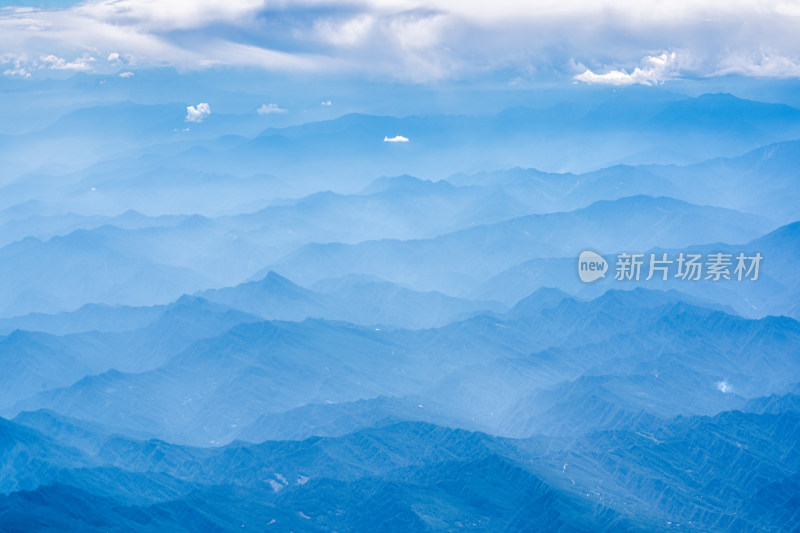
[19, 65]
[17, 71]
[395, 139]
[276, 487]
[326, 103]
[724, 387]
[54, 62]
[199, 113]
[126, 74]
[656, 70]
[113, 57]
[269, 109]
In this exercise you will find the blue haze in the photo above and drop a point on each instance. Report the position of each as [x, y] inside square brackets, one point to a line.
[281, 322]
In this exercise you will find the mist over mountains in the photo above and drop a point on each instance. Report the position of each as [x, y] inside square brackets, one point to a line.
[279, 321]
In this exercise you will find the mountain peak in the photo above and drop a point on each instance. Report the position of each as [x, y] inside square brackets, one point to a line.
[274, 280]
[788, 235]
[403, 183]
[538, 300]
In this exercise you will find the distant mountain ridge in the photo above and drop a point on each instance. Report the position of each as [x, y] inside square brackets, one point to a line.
[273, 318]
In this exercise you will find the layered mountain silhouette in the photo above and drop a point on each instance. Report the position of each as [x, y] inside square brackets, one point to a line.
[282, 322]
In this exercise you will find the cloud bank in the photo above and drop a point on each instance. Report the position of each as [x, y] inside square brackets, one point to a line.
[414, 41]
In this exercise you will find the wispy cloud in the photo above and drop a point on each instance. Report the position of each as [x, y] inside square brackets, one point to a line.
[395, 139]
[765, 66]
[199, 113]
[416, 41]
[268, 109]
[17, 69]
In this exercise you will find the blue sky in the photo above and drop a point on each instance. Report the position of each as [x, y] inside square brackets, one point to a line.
[613, 43]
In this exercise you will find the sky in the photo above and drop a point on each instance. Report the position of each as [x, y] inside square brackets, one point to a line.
[616, 43]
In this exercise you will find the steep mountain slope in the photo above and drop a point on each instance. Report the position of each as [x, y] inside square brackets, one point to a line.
[621, 354]
[733, 471]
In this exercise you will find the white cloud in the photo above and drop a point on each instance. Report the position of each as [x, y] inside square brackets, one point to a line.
[724, 387]
[407, 43]
[395, 139]
[18, 69]
[21, 72]
[158, 15]
[656, 70]
[127, 74]
[349, 32]
[417, 41]
[326, 103]
[54, 62]
[268, 109]
[767, 66]
[199, 113]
